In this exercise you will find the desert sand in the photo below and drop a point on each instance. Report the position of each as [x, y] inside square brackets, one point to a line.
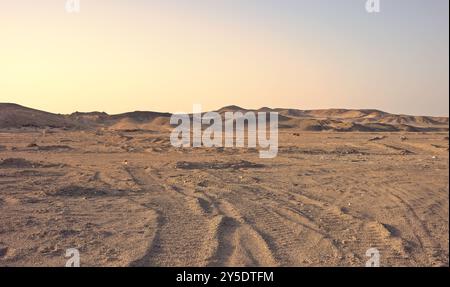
[344, 181]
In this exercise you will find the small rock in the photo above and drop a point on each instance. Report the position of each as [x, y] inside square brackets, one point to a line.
[203, 183]
[44, 249]
[3, 251]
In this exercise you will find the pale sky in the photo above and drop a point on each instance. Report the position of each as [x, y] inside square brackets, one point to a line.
[166, 55]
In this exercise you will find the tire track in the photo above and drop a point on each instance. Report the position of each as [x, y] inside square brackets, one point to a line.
[427, 244]
[176, 217]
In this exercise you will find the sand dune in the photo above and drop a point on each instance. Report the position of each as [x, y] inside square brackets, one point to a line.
[15, 116]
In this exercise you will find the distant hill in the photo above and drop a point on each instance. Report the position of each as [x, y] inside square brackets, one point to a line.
[16, 116]
[345, 120]
[125, 121]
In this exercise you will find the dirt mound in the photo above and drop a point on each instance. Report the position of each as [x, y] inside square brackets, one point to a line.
[218, 165]
[22, 163]
[82, 191]
[154, 124]
[55, 148]
[414, 120]
[140, 117]
[16, 116]
[231, 108]
[92, 118]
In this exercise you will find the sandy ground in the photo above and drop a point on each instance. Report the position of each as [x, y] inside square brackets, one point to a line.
[130, 199]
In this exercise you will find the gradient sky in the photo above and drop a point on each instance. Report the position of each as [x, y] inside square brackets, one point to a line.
[166, 55]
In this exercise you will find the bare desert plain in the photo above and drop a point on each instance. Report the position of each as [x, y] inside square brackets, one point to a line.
[115, 188]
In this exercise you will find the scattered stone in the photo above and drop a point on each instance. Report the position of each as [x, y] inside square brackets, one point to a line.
[217, 165]
[203, 183]
[3, 251]
[377, 138]
[21, 163]
[82, 191]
